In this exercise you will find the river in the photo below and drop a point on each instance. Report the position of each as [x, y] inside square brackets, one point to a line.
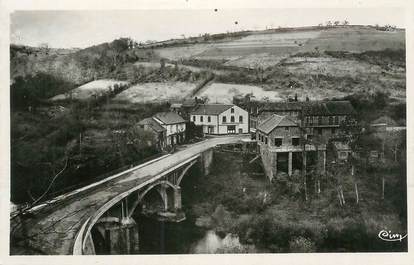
[157, 237]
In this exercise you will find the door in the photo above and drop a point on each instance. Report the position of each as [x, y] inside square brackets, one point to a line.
[240, 130]
[231, 129]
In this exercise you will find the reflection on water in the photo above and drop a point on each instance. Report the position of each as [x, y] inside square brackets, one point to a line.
[156, 237]
[212, 243]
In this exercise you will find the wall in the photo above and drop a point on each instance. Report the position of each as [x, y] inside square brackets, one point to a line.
[280, 132]
[237, 112]
[174, 128]
[205, 123]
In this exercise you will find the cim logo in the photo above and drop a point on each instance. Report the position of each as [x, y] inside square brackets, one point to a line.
[389, 236]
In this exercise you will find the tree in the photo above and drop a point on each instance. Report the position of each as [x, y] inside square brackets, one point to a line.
[301, 245]
[337, 22]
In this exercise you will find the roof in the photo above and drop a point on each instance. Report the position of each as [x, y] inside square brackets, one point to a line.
[328, 108]
[343, 107]
[274, 121]
[176, 105]
[150, 122]
[283, 106]
[210, 109]
[169, 117]
[386, 120]
[189, 103]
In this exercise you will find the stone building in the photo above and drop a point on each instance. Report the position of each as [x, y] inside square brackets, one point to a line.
[284, 148]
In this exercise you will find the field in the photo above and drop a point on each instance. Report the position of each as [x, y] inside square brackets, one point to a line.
[90, 89]
[242, 52]
[318, 63]
[156, 92]
[224, 93]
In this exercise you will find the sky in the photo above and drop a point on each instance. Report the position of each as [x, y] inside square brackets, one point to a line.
[79, 29]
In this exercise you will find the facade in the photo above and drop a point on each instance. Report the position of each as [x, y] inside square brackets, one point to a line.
[283, 147]
[323, 120]
[159, 132]
[174, 125]
[220, 119]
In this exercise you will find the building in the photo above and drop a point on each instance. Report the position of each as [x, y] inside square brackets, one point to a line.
[159, 132]
[341, 151]
[174, 125]
[221, 118]
[281, 143]
[185, 107]
[323, 119]
[386, 124]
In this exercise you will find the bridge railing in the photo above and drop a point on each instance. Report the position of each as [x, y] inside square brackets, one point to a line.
[99, 177]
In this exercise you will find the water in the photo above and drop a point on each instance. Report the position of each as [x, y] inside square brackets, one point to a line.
[157, 237]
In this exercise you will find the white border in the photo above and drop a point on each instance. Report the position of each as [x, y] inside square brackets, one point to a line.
[7, 6]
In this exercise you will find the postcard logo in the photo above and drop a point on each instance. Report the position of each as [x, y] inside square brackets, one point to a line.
[389, 236]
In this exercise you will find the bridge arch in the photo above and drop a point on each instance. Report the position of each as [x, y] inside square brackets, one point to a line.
[170, 179]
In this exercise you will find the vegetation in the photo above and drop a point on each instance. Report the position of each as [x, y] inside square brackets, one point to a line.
[275, 219]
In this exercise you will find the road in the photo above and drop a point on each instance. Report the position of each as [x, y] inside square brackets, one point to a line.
[52, 228]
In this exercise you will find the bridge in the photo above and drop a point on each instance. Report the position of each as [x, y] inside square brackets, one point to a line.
[67, 224]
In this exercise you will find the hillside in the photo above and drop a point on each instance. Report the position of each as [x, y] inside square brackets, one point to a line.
[363, 64]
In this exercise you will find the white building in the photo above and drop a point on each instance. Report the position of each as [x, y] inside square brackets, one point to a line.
[174, 125]
[220, 118]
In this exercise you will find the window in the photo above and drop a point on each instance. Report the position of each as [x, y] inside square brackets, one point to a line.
[176, 127]
[224, 119]
[265, 140]
[286, 128]
[194, 118]
[310, 120]
[319, 131]
[330, 120]
[336, 120]
[295, 141]
[343, 155]
[333, 131]
[201, 118]
[232, 110]
[319, 120]
[232, 119]
[231, 129]
[241, 119]
[309, 137]
[208, 119]
[278, 141]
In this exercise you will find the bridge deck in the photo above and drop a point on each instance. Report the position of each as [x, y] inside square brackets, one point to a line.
[52, 229]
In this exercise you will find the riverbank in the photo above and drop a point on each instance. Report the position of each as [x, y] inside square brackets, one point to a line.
[232, 200]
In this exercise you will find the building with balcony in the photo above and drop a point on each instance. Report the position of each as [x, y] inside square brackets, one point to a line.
[220, 118]
[284, 148]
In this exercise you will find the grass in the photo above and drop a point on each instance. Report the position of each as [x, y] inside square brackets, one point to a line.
[156, 92]
[90, 89]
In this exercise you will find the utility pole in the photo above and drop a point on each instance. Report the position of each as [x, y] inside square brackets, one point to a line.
[303, 145]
